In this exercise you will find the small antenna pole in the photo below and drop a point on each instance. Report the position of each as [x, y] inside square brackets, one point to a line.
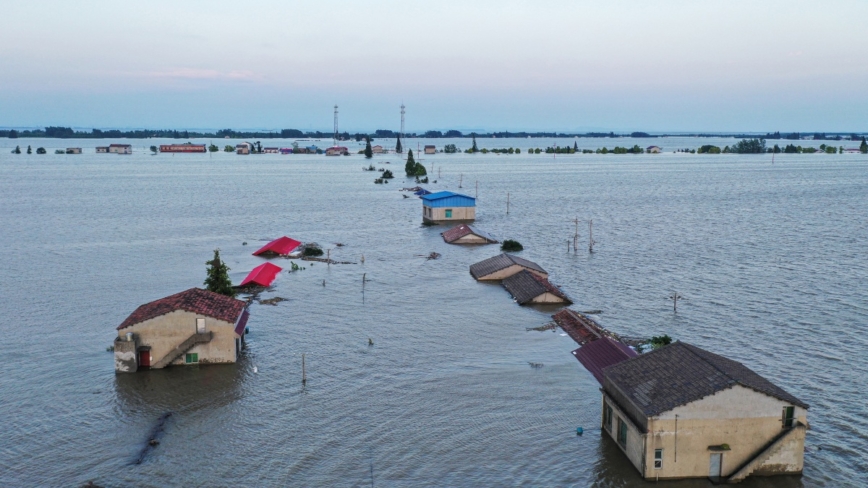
[460, 180]
[303, 371]
[477, 189]
[591, 235]
[507, 203]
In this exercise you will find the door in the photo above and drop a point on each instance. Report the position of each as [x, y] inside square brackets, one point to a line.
[200, 326]
[144, 359]
[714, 465]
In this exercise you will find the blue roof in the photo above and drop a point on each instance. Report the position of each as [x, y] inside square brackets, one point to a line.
[444, 194]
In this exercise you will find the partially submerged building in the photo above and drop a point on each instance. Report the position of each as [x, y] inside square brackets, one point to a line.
[271, 150]
[282, 246]
[192, 327]
[467, 234]
[430, 149]
[262, 275]
[102, 149]
[378, 149]
[73, 150]
[653, 149]
[243, 148]
[529, 288]
[580, 327]
[120, 148]
[445, 206]
[683, 412]
[503, 266]
[182, 148]
[602, 353]
[337, 151]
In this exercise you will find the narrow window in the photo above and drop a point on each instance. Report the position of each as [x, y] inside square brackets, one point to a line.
[658, 458]
[200, 326]
[448, 213]
[607, 417]
[788, 416]
[191, 357]
[622, 433]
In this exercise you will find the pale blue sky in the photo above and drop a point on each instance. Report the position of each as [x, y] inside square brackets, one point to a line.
[666, 65]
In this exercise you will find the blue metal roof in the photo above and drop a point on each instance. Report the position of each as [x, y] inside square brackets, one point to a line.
[448, 199]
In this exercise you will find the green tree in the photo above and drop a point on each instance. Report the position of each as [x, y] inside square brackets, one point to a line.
[450, 149]
[29, 151]
[863, 148]
[576, 146]
[410, 167]
[218, 276]
[474, 148]
[40, 150]
[13, 134]
[228, 148]
[518, 150]
[398, 147]
[369, 153]
[17, 150]
[154, 149]
[213, 148]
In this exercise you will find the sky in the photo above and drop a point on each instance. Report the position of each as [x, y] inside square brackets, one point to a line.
[621, 65]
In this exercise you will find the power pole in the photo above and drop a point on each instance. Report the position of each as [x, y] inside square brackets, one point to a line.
[591, 240]
[460, 180]
[675, 297]
[335, 138]
[576, 235]
[507, 203]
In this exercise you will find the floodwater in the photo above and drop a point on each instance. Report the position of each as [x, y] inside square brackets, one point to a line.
[770, 258]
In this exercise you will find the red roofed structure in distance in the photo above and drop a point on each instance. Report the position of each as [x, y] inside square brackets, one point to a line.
[262, 275]
[278, 247]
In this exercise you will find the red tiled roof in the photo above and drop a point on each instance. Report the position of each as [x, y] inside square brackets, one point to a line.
[580, 327]
[262, 275]
[281, 247]
[194, 300]
[596, 355]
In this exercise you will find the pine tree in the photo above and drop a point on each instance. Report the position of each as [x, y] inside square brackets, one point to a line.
[864, 146]
[398, 148]
[369, 153]
[410, 167]
[576, 146]
[218, 276]
[29, 151]
[474, 148]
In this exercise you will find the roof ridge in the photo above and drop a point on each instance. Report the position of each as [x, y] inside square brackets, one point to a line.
[690, 347]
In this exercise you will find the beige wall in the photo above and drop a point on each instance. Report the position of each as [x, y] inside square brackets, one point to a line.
[507, 272]
[744, 419]
[439, 214]
[470, 239]
[548, 298]
[165, 332]
[635, 438]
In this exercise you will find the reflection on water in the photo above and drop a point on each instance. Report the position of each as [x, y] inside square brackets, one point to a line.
[768, 258]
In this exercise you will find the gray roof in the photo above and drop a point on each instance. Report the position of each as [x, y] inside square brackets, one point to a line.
[462, 230]
[503, 261]
[679, 374]
[525, 286]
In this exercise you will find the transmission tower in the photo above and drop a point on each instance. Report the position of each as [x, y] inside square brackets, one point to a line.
[336, 127]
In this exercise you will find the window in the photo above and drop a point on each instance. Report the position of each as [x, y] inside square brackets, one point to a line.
[191, 357]
[448, 213]
[200, 326]
[607, 417]
[622, 433]
[658, 458]
[787, 418]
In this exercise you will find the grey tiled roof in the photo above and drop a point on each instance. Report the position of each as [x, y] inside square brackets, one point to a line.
[525, 286]
[502, 261]
[462, 230]
[681, 373]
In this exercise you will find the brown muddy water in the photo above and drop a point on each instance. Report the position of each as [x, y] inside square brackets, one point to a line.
[770, 258]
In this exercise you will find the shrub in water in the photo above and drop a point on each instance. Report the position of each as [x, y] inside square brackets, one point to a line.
[312, 250]
[510, 245]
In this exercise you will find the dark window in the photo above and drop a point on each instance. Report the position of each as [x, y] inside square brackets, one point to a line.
[658, 458]
[448, 213]
[788, 416]
[622, 433]
[191, 357]
[607, 417]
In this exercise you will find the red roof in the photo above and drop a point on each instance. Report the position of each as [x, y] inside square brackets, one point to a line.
[580, 327]
[194, 300]
[242, 322]
[597, 355]
[281, 247]
[262, 275]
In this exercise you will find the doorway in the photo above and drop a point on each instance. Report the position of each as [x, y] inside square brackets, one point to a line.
[714, 465]
[145, 358]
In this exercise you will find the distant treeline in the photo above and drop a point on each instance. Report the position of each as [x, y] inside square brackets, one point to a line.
[69, 133]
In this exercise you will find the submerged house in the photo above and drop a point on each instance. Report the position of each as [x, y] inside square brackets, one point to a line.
[529, 288]
[262, 275]
[243, 148]
[102, 149]
[503, 266]
[467, 234]
[270, 150]
[378, 149]
[444, 206]
[602, 353]
[683, 412]
[191, 327]
[653, 149]
[337, 151]
[120, 148]
[281, 246]
[182, 148]
[73, 150]
[430, 149]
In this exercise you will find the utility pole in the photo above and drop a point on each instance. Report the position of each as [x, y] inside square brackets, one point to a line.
[591, 240]
[335, 137]
[675, 297]
[477, 189]
[402, 121]
[460, 180]
[507, 203]
[303, 371]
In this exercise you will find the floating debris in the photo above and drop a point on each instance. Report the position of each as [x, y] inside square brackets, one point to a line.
[593, 312]
[549, 326]
[272, 301]
[324, 260]
[535, 365]
[340, 244]
[154, 437]
[433, 255]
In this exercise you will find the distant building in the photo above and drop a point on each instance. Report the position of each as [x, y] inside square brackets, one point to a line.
[503, 266]
[286, 150]
[852, 150]
[282, 246]
[430, 149]
[683, 412]
[653, 149]
[444, 206]
[270, 150]
[182, 148]
[377, 149]
[467, 234]
[530, 288]
[120, 148]
[102, 149]
[243, 148]
[192, 327]
[261, 276]
[336, 151]
[73, 150]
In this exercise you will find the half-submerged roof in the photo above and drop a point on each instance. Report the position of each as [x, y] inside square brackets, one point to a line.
[262, 275]
[194, 300]
[681, 373]
[580, 327]
[525, 286]
[463, 230]
[602, 353]
[502, 261]
[281, 246]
